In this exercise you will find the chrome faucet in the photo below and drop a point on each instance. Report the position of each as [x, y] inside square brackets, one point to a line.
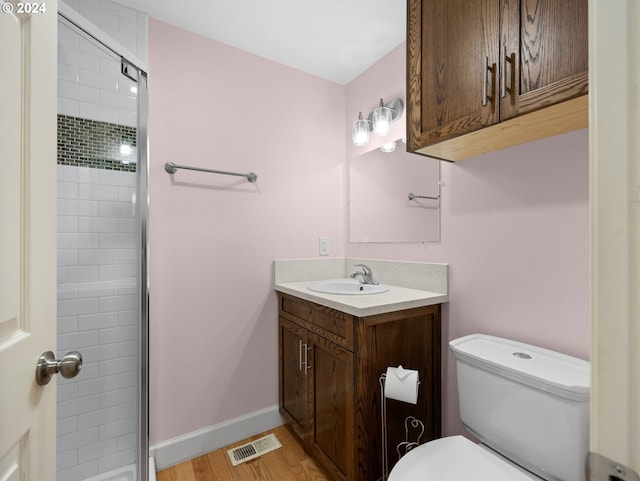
[366, 274]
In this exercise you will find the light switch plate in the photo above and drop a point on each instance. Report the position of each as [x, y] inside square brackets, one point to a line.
[324, 246]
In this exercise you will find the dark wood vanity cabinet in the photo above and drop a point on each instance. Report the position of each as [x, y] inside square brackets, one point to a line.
[330, 363]
[507, 71]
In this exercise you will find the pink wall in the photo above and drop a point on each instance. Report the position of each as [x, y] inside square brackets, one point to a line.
[214, 238]
[515, 233]
[514, 225]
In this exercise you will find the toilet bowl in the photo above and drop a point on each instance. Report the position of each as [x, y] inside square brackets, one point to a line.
[455, 458]
[528, 406]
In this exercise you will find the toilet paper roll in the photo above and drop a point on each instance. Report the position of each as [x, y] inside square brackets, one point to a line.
[401, 384]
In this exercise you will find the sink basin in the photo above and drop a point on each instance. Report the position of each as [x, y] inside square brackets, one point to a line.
[346, 287]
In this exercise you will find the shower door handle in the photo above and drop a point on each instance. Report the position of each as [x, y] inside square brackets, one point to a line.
[69, 366]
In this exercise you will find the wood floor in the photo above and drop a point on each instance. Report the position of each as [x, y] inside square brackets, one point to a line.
[290, 462]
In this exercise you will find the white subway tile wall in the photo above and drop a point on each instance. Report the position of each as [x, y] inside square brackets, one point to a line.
[97, 313]
[97, 304]
[90, 84]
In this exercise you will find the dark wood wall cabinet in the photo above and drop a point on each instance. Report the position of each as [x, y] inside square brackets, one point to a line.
[330, 363]
[488, 74]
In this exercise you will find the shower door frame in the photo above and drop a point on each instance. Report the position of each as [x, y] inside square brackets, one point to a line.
[138, 67]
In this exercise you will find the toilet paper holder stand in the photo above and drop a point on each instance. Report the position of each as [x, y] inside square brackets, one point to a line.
[410, 424]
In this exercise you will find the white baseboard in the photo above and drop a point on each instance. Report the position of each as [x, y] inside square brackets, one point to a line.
[152, 469]
[197, 443]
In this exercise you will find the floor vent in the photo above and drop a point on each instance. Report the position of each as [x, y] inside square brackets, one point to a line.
[254, 449]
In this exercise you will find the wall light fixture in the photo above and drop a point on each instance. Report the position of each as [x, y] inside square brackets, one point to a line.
[389, 146]
[361, 128]
[379, 121]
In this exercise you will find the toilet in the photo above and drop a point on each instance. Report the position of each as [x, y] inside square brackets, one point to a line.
[528, 406]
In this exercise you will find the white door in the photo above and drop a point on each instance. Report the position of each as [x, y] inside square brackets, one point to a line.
[614, 83]
[28, 55]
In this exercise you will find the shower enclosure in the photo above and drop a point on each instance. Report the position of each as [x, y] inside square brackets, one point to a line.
[102, 431]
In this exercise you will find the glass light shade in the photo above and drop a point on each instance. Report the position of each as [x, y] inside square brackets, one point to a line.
[382, 121]
[389, 147]
[360, 131]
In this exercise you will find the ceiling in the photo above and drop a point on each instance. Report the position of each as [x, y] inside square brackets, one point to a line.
[333, 39]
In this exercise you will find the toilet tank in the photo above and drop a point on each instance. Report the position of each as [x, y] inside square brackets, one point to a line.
[529, 404]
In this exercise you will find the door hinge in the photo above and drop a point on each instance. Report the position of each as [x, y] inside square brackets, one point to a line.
[129, 70]
[600, 468]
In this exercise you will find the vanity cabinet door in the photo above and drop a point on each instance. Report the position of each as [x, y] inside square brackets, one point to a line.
[294, 377]
[332, 391]
[330, 364]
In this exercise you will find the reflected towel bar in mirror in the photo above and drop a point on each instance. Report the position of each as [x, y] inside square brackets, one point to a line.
[171, 168]
[412, 196]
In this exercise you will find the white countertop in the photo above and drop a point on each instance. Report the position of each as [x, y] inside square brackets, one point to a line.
[395, 299]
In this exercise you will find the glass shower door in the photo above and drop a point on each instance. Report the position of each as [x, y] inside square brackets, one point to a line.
[101, 413]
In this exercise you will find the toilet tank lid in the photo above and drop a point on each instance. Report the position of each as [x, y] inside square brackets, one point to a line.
[547, 370]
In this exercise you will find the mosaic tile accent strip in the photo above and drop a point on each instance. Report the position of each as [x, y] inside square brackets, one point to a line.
[98, 145]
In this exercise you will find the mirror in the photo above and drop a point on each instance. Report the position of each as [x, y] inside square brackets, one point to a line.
[380, 184]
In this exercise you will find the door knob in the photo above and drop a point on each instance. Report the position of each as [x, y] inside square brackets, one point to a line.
[69, 366]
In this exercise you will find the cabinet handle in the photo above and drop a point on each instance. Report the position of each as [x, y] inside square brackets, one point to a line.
[306, 359]
[300, 354]
[485, 82]
[503, 74]
[507, 59]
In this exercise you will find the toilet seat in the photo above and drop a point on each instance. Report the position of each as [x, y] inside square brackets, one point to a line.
[455, 458]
